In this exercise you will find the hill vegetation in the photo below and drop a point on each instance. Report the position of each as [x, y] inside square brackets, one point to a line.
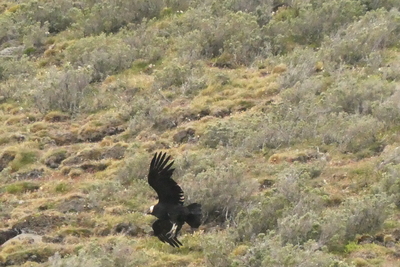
[283, 121]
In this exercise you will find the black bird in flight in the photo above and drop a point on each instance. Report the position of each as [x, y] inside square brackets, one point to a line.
[169, 210]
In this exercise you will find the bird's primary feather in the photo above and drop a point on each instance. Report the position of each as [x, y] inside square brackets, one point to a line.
[160, 178]
[160, 229]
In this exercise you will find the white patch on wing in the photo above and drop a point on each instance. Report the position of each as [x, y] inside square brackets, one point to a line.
[172, 232]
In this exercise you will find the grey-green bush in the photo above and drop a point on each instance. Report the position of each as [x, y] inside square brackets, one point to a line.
[105, 55]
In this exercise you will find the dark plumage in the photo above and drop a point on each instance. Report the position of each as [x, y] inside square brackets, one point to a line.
[8, 234]
[169, 210]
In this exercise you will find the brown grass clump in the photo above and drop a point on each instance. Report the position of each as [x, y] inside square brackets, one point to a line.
[56, 116]
[278, 69]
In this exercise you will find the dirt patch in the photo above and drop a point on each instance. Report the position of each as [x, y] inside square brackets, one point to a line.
[40, 224]
[64, 137]
[29, 175]
[54, 160]
[95, 131]
[6, 158]
[115, 152]
[184, 135]
[76, 204]
[32, 254]
[56, 116]
[94, 166]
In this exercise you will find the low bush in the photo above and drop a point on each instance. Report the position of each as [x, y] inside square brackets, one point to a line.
[353, 44]
[133, 168]
[104, 55]
[63, 90]
[211, 32]
[205, 179]
[310, 23]
[354, 216]
[114, 253]
[357, 94]
[35, 37]
[352, 133]
[110, 17]
[187, 79]
[56, 13]
[218, 247]
[259, 217]
[301, 64]
[390, 182]
[268, 251]
[21, 187]
[218, 206]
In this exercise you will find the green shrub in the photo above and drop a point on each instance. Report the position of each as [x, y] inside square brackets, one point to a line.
[301, 64]
[372, 4]
[390, 182]
[185, 79]
[259, 217]
[21, 187]
[147, 42]
[104, 55]
[364, 215]
[388, 111]
[207, 184]
[22, 159]
[17, 79]
[63, 90]
[114, 253]
[311, 23]
[267, 250]
[35, 37]
[218, 247]
[145, 116]
[246, 43]
[62, 187]
[8, 29]
[357, 94]
[17, 67]
[133, 169]
[56, 13]
[353, 44]
[109, 17]
[208, 32]
[237, 132]
[352, 133]
[298, 229]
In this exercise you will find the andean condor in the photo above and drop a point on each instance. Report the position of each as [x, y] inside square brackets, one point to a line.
[169, 210]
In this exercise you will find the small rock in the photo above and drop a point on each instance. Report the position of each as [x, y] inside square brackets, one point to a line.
[184, 135]
[126, 228]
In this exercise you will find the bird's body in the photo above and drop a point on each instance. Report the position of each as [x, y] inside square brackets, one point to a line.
[169, 210]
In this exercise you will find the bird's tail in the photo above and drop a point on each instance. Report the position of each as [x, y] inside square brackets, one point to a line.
[194, 216]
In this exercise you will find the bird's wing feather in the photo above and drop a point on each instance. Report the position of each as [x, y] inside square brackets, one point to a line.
[161, 229]
[159, 178]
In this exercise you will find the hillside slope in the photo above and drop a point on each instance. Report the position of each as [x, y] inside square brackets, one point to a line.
[283, 121]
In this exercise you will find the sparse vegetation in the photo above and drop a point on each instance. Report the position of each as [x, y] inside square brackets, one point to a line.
[283, 121]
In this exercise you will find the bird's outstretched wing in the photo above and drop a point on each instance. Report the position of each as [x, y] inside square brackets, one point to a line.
[162, 228]
[159, 178]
